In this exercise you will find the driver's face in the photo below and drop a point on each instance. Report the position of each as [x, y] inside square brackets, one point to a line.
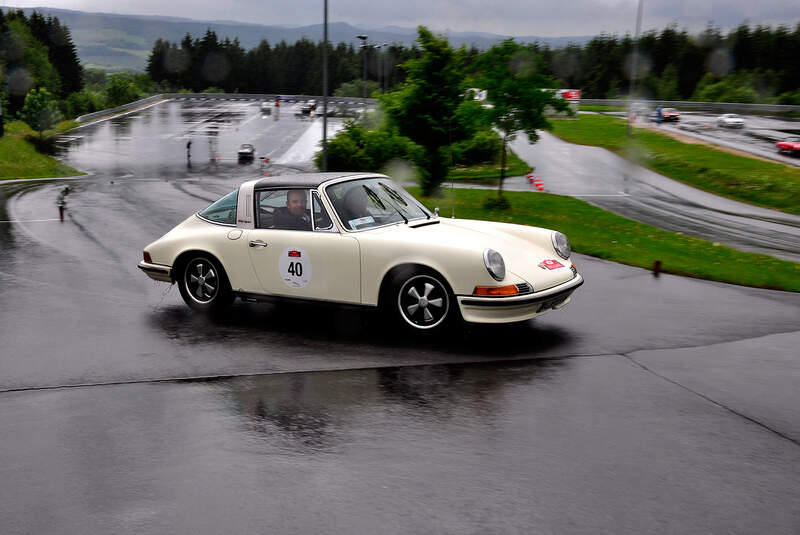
[296, 203]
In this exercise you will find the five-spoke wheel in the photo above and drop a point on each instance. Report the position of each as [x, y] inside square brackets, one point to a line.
[203, 284]
[423, 301]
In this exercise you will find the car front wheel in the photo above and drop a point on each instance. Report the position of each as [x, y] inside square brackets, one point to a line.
[203, 285]
[424, 301]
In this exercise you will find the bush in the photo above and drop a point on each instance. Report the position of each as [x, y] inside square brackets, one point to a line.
[81, 103]
[496, 203]
[483, 147]
[790, 98]
[358, 149]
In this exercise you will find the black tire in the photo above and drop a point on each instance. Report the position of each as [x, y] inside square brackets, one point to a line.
[421, 300]
[204, 285]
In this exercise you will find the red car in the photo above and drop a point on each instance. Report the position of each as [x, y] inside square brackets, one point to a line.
[790, 145]
[670, 114]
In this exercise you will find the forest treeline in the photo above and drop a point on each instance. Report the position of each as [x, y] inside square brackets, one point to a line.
[747, 64]
[196, 64]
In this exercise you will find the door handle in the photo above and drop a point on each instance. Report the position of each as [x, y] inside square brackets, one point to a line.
[258, 243]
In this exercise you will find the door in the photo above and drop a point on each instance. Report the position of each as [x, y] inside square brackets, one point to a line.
[307, 264]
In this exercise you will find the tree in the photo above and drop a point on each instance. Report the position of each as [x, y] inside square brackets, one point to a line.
[122, 89]
[40, 111]
[356, 88]
[511, 75]
[424, 108]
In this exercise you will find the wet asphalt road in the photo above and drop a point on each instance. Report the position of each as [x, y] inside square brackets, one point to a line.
[647, 405]
[613, 183]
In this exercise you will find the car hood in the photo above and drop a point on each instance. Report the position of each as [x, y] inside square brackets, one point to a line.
[523, 248]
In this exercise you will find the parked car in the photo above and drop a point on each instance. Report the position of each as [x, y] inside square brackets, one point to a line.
[308, 107]
[790, 145]
[361, 239]
[730, 120]
[246, 152]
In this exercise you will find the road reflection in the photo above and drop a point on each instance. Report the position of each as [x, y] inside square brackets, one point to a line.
[308, 413]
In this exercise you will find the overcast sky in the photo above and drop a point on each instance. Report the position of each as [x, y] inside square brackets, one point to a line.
[549, 18]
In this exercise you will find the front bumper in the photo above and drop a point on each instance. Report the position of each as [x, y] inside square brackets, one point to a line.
[156, 272]
[516, 308]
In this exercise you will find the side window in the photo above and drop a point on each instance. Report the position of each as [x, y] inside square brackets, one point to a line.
[322, 221]
[222, 211]
[285, 209]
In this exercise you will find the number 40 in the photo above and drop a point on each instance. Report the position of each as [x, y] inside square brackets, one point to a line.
[296, 269]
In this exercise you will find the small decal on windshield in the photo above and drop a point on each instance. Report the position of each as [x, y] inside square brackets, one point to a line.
[355, 223]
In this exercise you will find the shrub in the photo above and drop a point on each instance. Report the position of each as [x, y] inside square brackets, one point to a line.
[358, 149]
[483, 147]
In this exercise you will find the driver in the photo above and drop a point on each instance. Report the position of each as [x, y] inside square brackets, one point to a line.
[293, 216]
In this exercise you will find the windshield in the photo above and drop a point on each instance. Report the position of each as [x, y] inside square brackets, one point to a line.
[373, 202]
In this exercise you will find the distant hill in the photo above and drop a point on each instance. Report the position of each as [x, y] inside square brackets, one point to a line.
[123, 42]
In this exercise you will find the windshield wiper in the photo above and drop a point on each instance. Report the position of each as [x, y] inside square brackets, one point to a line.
[376, 199]
[397, 197]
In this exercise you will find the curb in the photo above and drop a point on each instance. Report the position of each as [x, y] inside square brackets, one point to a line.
[18, 180]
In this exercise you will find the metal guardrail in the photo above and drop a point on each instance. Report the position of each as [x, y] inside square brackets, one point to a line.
[719, 107]
[269, 97]
[119, 109]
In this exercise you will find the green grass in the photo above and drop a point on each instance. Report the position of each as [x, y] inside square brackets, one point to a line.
[754, 181]
[514, 167]
[19, 159]
[599, 233]
[591, 107]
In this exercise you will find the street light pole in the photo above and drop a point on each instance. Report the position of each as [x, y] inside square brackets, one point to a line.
[363, 38]
[325, 89]
[634, 62]
[379, 63]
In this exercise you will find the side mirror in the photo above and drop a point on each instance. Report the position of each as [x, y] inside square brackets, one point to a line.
[436, 211]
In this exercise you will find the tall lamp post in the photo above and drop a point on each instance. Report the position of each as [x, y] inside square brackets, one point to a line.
[364, 77]
[634, 61]
[380, 63]
[325, 89]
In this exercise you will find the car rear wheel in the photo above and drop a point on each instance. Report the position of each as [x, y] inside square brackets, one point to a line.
[423, 301]
[203, 284]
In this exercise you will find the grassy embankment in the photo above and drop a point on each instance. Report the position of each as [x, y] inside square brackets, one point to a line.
[759, 182]
[19, 158]
[599, 233]
[490, 173]
[592, 107]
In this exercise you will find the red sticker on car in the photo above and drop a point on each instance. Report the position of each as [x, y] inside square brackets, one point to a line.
[294, 254]
[551, 264]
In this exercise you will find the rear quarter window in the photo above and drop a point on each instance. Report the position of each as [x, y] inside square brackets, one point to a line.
[222, 211]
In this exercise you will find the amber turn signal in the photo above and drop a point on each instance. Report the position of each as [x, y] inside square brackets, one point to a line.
[494, 291]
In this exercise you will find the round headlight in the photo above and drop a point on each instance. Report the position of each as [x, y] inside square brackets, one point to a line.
[561, 245]
[494, 264]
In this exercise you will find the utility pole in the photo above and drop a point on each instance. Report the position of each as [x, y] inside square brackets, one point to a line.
[325, 89]
[634, 63]
[379, 62]
[364, 49]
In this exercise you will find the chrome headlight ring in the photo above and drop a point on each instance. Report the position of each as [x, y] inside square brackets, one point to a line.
[494, 264]
[561, 245]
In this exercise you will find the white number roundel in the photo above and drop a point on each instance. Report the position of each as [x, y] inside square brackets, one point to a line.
[294, 267]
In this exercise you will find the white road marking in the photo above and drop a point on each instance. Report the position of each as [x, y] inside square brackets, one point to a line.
[596, 195]
[30, 220]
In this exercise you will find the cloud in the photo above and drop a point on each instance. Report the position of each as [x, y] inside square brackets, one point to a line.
[510, 17]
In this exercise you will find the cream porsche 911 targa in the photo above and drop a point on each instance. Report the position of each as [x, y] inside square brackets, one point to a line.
[361, 239]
